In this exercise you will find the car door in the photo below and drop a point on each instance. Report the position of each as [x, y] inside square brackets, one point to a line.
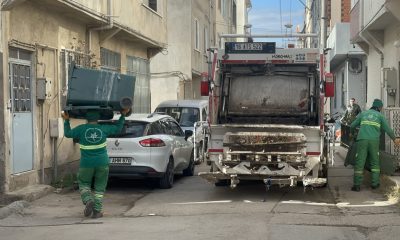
[183, 147]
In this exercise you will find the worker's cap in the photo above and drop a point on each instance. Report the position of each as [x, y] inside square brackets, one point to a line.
[377, 103]
[92, 115]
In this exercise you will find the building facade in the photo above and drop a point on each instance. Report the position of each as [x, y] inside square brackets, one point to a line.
[193, 27]
[375, 28]
[40, 39]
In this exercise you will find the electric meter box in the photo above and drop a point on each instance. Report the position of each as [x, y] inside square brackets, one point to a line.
[93, 89]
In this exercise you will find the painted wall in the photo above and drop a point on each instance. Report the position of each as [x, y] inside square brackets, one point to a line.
[174, 65]
[133, 14]
[59, 32]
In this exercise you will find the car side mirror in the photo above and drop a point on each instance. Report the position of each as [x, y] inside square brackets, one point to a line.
[188, 133]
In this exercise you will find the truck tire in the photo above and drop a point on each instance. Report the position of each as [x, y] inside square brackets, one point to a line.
[189, 171]
[167, 180]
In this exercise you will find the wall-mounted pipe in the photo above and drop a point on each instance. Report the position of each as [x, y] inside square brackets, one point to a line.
[107, 27]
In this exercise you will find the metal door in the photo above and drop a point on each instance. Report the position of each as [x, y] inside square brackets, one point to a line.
[22, 119]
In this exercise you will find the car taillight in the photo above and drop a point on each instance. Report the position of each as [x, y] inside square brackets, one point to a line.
[152, 142]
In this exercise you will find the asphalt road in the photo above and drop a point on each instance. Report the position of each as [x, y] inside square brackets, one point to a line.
[195, 209]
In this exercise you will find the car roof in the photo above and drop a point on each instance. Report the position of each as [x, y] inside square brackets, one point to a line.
[144, 117]
[183, 103]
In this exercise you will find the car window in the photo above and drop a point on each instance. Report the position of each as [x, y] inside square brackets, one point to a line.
[175, 129]
[131, 129]
[165, 127]
[155, 128]
[185, 116]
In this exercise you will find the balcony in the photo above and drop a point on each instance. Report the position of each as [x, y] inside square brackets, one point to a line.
[340, 44]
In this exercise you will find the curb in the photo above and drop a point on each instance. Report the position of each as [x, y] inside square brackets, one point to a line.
[15, 207]
[20, 199]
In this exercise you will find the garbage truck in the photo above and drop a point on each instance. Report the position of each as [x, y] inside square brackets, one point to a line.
[266, 116]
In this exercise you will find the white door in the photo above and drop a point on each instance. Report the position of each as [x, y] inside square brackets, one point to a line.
[22, 119]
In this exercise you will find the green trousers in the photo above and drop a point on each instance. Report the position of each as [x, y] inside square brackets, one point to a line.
[86, 176]
[367, 149]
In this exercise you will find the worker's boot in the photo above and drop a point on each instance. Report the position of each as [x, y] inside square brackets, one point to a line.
[375, 186]
[97, 214]
[88, 208]
[355, 188]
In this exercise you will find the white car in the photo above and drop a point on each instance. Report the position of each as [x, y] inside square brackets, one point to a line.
[191, 115]
[151, 146]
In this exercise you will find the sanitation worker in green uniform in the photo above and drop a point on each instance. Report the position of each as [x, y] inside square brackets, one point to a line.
[370, 122]
[94, 158]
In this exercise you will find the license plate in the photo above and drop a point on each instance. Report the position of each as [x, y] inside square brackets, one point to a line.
[121, 160]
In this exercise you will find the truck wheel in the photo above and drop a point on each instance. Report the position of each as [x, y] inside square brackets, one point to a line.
[189, 171]
[167, 180]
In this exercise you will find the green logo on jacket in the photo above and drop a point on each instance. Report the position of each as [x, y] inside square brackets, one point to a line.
[93, 135]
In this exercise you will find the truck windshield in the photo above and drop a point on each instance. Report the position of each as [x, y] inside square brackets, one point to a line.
[185, 116]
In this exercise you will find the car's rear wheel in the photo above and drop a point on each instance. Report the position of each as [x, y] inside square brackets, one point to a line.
[189, 171]
[167, 180]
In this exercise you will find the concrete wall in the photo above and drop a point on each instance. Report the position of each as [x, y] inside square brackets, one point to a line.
[133, 14]
[336, 12]
[2, 110]
[374, 76]
[174, 65]
[60, 32]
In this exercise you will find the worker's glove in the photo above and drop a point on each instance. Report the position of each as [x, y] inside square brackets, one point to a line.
[65, 115]
[125, 111]
[397, 141]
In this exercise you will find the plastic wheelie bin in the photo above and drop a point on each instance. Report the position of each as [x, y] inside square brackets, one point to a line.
[93, 89]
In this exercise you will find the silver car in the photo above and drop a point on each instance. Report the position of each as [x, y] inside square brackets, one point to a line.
[151, 146]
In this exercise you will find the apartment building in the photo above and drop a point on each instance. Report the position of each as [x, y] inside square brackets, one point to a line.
[40, 38]
[193, 27]
[345, 60]
[375, 28]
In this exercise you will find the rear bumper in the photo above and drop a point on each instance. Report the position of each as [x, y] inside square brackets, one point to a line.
[134, 172]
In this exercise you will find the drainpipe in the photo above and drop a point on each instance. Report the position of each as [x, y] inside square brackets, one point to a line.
[109, 26]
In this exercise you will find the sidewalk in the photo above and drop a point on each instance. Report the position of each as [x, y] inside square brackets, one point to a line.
[388, 183]
[15, 202]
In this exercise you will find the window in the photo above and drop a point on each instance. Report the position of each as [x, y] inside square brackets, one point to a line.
[152, 4]
[155, 128]
[140, 68]
[223, 8]
[131, 129]
[110, 60]
[206, 40]
[196, 35]
[185, 116]
[234, 18]
[175, 129]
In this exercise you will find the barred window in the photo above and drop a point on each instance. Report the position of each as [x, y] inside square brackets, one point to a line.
[110, 60]
[140, 68]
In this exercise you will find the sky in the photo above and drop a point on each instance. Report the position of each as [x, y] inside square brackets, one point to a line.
[265, 18]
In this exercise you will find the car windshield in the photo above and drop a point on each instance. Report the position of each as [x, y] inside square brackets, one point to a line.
[185, 116]
[131, 129]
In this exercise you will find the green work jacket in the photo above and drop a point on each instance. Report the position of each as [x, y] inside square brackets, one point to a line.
[92, 140]
[371, 122]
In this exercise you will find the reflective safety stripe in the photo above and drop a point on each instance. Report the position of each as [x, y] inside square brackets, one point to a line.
[98, 196]
[371, 123]
[358, 172]
[375, 170]
[93, 147]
